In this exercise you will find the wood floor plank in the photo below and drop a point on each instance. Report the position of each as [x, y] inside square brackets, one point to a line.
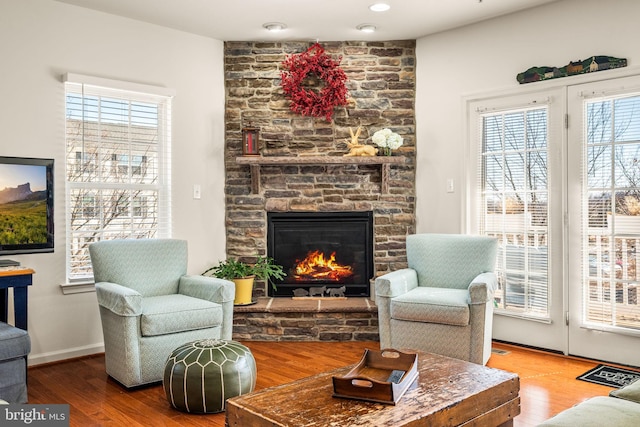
[547, 383]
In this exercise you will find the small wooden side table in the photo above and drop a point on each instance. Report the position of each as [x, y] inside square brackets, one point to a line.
[18, 278]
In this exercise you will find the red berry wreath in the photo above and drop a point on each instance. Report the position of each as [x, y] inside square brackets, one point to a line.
[306, 101]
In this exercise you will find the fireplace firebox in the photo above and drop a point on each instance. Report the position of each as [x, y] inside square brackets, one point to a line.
[325, 254]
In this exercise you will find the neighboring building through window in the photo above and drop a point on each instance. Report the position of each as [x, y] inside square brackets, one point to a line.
[118, 169]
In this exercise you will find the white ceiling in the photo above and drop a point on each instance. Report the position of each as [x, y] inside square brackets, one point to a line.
[322, 20]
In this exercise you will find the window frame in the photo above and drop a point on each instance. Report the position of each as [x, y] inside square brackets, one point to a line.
[134, 186]
[514, 224]
[505, 101]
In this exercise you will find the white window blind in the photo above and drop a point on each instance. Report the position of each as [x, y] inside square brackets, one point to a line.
[118, 138]
[514, 192]
[611, 210]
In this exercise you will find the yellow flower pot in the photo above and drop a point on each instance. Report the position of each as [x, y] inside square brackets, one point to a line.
[244, 290]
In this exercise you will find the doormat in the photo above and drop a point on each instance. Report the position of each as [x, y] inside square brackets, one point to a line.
[609, 376]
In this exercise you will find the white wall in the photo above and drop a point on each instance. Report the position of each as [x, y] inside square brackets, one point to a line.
[486, 57]
[42, 39]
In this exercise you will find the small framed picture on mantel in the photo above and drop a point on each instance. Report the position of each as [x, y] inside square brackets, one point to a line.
[250, 146]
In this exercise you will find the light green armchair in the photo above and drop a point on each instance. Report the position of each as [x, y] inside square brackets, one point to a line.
[149, 306]
[442, 303]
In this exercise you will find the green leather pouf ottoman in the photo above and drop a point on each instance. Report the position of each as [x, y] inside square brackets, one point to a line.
[200, 376]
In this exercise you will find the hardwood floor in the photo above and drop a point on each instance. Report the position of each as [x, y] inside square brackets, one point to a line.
[547, 383]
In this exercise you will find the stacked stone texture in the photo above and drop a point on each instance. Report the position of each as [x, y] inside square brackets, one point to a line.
[381, 84]
[309, 326]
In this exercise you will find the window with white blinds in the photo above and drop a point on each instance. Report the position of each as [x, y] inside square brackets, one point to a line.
[611, 210]
[514, 191]
[118, 139]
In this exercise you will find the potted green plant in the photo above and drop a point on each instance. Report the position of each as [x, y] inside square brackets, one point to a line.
[243, 275]
[230, 269]
[266, 269]
[239, 273]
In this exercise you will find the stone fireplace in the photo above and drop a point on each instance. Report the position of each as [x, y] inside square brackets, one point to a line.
[301, 170]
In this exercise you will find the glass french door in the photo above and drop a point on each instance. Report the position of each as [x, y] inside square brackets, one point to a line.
[604, 218]
[555, 176]
[516, 160]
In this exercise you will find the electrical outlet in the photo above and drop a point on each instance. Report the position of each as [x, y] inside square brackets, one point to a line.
[196, 191]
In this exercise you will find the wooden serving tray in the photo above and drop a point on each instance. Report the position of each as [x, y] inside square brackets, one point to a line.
[370, 378]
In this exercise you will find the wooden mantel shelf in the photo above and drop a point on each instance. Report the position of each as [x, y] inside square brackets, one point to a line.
[256, 161]
[319, 160]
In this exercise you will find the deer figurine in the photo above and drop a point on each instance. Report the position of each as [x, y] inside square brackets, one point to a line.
[357, 149]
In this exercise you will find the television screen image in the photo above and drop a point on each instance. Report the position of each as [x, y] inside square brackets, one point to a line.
[26, 205]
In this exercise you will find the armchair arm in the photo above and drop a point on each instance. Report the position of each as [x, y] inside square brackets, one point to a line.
[207, 288]
[388, 286]
[482, 287]
[396, 283]
[119, 299]
[216, 290]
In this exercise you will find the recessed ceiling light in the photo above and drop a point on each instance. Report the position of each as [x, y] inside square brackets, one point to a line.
[274, 26]
[379, 7]
[366, 28]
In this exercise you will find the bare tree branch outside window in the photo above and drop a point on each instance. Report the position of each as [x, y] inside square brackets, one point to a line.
[611, 257]
[113, 171]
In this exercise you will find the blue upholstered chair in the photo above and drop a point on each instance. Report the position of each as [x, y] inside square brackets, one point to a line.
[442, 303]
[149, 306]
[15, 346]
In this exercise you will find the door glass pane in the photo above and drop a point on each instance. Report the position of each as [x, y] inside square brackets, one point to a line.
[610, 249]
[515, 192]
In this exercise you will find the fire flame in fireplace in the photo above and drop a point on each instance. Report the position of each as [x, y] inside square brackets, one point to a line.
[317, 267]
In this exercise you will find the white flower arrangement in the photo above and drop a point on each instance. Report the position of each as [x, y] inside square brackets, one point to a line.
[387, 140]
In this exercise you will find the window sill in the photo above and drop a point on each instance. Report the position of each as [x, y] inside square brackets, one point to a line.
[502, 312]
[77, 287]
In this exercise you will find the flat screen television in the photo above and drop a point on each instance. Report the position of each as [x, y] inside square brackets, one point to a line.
[26, 206]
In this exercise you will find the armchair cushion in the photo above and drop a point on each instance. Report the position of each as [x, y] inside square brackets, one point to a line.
[168, 314]
[14, 342]
[629, 392]
[595, 412]
[432, 305]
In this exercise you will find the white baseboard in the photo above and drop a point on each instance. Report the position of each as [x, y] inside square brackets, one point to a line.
[69, 353]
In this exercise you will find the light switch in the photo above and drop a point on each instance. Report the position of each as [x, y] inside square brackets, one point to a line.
[450, 185]
[196, 191]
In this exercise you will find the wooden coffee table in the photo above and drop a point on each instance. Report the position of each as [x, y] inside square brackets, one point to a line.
[447, 392]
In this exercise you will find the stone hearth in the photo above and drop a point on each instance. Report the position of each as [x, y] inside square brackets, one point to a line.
[326, 319]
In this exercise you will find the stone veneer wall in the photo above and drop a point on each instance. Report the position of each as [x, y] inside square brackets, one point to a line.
[381, 83]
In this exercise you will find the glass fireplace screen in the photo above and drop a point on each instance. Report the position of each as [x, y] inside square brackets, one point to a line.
[323, 253]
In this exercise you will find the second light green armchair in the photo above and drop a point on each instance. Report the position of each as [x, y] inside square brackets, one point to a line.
[149, 306]
[442, 303]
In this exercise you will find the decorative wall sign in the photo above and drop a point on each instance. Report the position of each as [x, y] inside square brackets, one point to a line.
[305, 66]
[590, 65]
